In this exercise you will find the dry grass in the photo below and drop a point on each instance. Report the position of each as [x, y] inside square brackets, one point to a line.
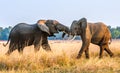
[62, 59]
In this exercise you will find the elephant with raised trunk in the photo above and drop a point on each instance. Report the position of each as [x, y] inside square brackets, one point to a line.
[96, 33]
[23, 35]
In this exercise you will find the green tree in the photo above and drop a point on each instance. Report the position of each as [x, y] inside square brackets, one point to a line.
[1, 29]
[118, 28]
[5, 33]
[115, 34]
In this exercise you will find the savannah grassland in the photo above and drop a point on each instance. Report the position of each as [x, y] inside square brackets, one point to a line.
[62, 59]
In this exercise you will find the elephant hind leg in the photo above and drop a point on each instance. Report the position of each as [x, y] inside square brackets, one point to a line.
[108, 51]
[101, 51]
[20, 48]
[12, 47]
[106, 48]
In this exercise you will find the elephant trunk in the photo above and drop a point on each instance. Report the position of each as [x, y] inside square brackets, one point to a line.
[63, 28]
[71, 37]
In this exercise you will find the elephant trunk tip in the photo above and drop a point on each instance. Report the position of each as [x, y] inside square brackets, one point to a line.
[4, 44]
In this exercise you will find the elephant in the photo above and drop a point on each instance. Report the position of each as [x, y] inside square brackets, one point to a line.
[96, 33]
[23, 34]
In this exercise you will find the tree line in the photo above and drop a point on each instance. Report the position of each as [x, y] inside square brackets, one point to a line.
[4, 33]
[115, 32]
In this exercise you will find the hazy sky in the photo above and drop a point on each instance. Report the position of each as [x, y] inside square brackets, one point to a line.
[65, 11]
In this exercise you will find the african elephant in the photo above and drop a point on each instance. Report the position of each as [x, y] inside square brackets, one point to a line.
[96, 33]
[23, 35]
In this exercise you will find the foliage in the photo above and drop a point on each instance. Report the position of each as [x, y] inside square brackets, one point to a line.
[4, 33]
[115, 32]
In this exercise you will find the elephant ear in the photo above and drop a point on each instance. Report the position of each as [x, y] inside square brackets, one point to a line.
[83, 22]
[41, 24]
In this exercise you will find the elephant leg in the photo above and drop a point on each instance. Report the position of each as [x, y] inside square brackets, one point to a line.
[84, 48]
[46, 47]
[12, 47]
[20, 48]
[87, 53]
[45, 44]
[37, 44]
[101, 51]
[81, 52]
[36, 47]
[108, 51]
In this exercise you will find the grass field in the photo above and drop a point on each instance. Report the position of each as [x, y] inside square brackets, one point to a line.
[62, 59]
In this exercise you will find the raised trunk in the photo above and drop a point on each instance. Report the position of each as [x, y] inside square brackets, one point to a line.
[63, 28]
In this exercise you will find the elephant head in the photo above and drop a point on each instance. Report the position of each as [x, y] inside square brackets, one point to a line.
[78, 27]
[52, 26]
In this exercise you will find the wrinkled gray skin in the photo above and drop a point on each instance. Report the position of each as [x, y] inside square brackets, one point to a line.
[23, 35]
[96, 33]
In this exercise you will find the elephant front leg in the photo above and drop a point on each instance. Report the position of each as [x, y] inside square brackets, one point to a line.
[101, 51]
[37, 44]
[81, 52]
[84, 48]
[46, 47]
[87, 53]
[36, 47]
[45, 44]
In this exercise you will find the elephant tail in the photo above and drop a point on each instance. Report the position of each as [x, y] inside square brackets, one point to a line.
[7, 42]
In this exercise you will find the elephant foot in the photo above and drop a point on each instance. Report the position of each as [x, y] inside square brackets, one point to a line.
[7, 54]
[21, 52]
[36, 50]
[100, 57]
[87, 57]
[111, 55]
[46, 47]
[79, 56]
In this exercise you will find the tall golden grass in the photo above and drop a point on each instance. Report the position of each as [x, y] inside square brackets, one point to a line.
[62, 59]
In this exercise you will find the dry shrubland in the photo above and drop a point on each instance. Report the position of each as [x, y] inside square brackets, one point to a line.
[62, 59]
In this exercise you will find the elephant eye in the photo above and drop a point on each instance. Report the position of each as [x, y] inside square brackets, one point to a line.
[75, 28]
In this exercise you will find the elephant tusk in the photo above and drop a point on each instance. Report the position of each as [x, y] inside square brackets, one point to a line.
[70, 37]
[73, 37]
